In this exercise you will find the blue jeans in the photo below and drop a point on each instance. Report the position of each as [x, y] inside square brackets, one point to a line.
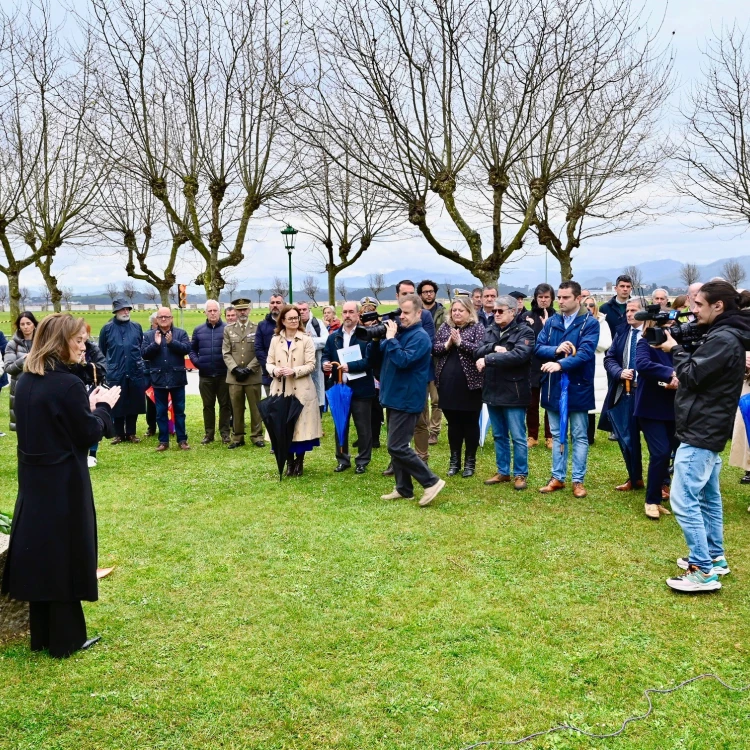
[579, 423]
[505, 420]
[161, 396]
[696, 502]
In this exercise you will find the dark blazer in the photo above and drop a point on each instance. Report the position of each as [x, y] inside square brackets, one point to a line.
[613, 315]
[52, 554]
[167, 361]
[263, 335]
[506, 374]
[205, 349]
[583, 332]
[613, 364]
[653, 401]
[361, 387]
[471, 338]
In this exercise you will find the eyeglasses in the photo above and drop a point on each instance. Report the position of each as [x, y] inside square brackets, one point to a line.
[164, 317]
[502, 312]
[290, 320]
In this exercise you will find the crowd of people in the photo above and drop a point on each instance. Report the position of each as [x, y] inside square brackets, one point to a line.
[408, 369]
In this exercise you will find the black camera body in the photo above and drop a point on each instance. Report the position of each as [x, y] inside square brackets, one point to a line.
[376, 331]
[688, 335]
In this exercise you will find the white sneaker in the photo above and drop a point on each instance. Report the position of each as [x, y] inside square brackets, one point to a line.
[91, 461]
[721, 566]
[431, 493]
[695, 581]
[2, 434]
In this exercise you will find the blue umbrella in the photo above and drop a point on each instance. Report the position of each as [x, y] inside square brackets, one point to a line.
[339, 398]
[564, 385]
[745, 411]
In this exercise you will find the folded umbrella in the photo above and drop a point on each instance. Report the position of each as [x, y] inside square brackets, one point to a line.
[339, 397]
[564, 385]
[745, 411]
[280, 414]
[484, 423]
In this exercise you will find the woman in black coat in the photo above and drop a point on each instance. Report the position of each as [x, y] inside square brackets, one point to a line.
[51, 559]
[541, 311]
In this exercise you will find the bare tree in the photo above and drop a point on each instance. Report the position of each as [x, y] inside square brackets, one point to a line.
[23, 297]
[448, 289]
[495, 109]
[341, 289]
[311, 288]
[376, 284]
[172, 296]
[636, 276]
[192, 95]
[259, 292]
[112, 291]
[67, 297]
[45, 295]
[715, 156]
[151, 294]
[734, 272]
[279, 286]
[3, 297]
[230, 284]
[129, 291]
[690, 273]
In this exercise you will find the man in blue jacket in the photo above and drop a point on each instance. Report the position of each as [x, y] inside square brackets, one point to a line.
[404, 374]
[263, 335]
[165, 349]
[567, 344]
[206, 355]
[358, 376]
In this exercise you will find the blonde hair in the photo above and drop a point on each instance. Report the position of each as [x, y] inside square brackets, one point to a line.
[596, 304]
[467, 305]
[51, 342]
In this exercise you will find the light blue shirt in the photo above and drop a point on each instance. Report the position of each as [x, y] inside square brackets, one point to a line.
[568, 319]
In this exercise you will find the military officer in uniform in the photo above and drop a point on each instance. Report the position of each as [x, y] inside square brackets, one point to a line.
[243, 375]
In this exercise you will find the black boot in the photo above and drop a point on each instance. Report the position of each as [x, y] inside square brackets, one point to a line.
[455, 463]
[299, 465]
[746, 478]
[290, 464]
[470, 464]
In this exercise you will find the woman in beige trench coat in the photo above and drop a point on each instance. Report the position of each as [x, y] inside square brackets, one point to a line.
[291, 362]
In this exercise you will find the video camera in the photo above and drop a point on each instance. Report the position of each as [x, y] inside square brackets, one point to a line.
[688, 335]
[376, 331]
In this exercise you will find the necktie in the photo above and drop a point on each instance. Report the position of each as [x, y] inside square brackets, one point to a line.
[631, 352]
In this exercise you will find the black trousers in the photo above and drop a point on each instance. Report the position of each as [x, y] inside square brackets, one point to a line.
[150, 414]
[463, 427]
[59, 627]
[376, 421]
[127, 425]
[213, 390]
[361, 412]
[662, 443]
[407, 465]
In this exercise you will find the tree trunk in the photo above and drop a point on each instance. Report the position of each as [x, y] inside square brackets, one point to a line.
[14, 293]
[164, 295]
[332, 272]
[566, 267]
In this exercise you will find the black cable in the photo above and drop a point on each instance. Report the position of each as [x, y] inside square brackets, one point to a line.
[570, 728]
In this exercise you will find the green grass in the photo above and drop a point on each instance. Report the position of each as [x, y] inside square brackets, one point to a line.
[248, 613]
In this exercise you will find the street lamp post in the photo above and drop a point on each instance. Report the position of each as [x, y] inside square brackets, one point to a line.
[290, 235]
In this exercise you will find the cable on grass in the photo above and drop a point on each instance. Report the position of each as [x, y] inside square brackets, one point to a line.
[570, 728]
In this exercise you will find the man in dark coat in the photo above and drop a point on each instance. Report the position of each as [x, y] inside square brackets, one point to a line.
[362, 385]
[120, 342]
[614, 310]
[51, 560]
[206, 355]
[165, 349]
[263, 335]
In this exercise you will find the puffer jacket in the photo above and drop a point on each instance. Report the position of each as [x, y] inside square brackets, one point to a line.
[167, 361]
[711, 380]
[506, 374]
[15, 354]
[471, 338]
[206, 352]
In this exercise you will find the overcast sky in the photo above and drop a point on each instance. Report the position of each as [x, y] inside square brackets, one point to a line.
[667, 237]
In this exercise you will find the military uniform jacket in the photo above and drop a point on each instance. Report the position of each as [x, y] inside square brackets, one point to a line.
[238, 350]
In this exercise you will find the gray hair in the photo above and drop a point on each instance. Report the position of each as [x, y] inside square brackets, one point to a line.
[414, 299]
[507, 301]
[209, 301]
[635, 301]
[152, 317]
[331, 307]
[659, 290]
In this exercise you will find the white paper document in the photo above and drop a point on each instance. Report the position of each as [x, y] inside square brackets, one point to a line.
[351, 354]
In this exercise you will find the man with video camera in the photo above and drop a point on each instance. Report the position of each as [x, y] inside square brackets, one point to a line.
[710, 373]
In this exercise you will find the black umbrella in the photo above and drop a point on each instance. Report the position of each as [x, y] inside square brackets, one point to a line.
[280, 414]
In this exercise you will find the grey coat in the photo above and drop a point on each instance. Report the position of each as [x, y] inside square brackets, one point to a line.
[15, 354]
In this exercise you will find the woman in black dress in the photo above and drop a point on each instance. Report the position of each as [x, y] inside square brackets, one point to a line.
[459, 382]
[51, 560]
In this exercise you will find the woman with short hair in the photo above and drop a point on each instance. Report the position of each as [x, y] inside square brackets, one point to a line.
[51, 560]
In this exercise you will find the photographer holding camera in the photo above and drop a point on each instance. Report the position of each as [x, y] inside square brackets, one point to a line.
[710, 375]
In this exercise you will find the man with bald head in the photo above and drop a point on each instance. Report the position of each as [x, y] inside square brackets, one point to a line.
[207, 356]
[165, 349]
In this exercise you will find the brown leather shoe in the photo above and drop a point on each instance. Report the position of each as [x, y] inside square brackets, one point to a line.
[497, 479]
[665, 490]
[624, 487]
[579, 490]
[389, 471]
[552, 486]
[162, 447]
[132, 438]
[520, 483]
[207, 440]
[532, 442]
[639, 485]
[149, 433]
[116, 441]
[184, 446]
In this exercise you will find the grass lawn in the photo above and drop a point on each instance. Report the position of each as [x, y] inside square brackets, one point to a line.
[248, 613]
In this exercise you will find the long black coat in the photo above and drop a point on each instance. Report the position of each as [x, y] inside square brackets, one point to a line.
[120, 343]
[535, 320]
[53, 545]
